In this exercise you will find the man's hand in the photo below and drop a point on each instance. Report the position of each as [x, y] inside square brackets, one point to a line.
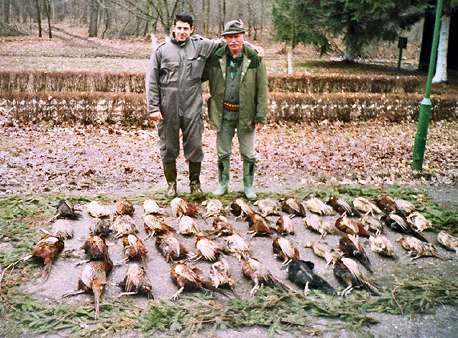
[155, 116]
[259, 126]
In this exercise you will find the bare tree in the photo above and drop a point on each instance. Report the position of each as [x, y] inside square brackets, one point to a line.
[48, 14]
[6, 11]
[37, 6]
[93, 17]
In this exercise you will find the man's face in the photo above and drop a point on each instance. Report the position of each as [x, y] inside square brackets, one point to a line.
[234, 42]
[182, 30]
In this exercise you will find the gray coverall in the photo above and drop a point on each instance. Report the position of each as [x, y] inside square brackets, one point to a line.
[173, 86]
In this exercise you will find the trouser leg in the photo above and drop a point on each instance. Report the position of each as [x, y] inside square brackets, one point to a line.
[247, 151]
[192, 129]
[224, 148]
[169, 149]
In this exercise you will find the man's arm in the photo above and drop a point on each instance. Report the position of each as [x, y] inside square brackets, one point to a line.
[261, 94]
[152, 87]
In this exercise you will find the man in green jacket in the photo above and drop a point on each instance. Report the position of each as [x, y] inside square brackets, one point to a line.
[238, 101]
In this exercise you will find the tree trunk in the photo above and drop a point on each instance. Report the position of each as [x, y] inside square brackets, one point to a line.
[290, 57]
[107, 21]
[349, 54]
[6, 11]
[442, 50]
[47, 8]
[37, 5]
[93, 18]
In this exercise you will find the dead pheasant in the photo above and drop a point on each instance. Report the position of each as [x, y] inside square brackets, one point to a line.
[66, 210]
[351, 247]
[351, 226]
[182, 207]
[258, 225]
[187, 226]
[285, 225]
[169, 247]
[134, 248]
[213, 208]
[152, 208]
[222, 227]
[124, 225]
[206, 248]
[381, 245]
[98, 210]
[101, 227]
[47, 249]
[317, 206]
[448, 241]
[237, 246]
[240, 208]
[372, 224]
[347, 271]
[62, 229]
[397, 223]
[417, 248]
[387, 204]
[93, 280]
[155, 226]
[292, 207]
[124, 207]
[268, 207]
[136, 282]
[365, 206]
[301, 273]
[318, 224]
[323, 250]
[96, 248]
[188, 278]
[284, 250]
[342, 207]
[259, 274]
[418, 222]
[220, 275]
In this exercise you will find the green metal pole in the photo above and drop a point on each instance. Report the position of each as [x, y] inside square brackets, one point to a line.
[425, 105]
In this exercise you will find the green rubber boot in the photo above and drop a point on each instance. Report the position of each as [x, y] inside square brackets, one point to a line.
[194, 177]
[223, 177]
[248, 175]
[170, 173]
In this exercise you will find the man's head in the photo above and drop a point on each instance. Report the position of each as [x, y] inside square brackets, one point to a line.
[182, 27]
[234, 36]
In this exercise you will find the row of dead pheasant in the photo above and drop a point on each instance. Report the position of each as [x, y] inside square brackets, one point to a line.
[399, 215]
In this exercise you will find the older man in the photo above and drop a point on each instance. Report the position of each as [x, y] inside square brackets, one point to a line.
[238, 101]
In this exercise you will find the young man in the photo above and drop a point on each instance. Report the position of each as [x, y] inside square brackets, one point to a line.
[174, 98]
[238, 89]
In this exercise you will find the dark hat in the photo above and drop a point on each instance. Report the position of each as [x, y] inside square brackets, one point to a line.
[233, 27]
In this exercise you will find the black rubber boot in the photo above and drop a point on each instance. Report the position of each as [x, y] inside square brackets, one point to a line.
[170, 173]
[194, 177]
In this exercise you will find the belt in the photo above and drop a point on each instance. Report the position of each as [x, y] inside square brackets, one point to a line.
[231, 106]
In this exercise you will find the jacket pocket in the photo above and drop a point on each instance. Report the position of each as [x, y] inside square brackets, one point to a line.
[195, 67]
[168, 72]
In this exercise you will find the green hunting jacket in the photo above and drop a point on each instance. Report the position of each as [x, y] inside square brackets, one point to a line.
[253, 88]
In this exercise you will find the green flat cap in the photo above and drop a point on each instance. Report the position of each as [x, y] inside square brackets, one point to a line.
[233, 27]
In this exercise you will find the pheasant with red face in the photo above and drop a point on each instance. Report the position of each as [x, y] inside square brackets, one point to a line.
[47, 249]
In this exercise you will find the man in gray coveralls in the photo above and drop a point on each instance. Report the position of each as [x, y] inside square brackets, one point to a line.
[174, 98]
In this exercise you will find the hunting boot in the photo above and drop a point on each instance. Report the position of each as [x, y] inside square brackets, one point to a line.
[248, 175]
[170, 173]
[223, 177]
[194, 174]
